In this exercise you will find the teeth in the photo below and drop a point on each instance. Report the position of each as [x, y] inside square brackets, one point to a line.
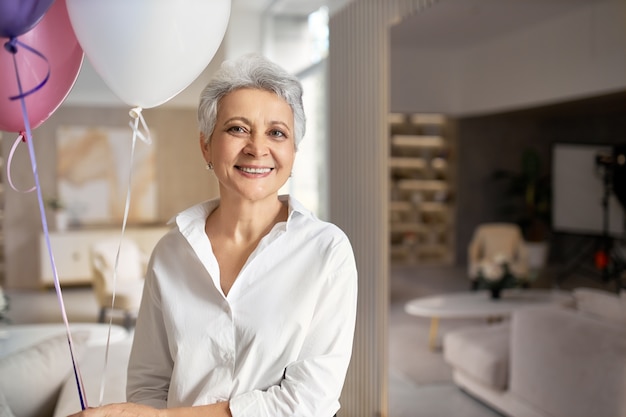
[255, 170]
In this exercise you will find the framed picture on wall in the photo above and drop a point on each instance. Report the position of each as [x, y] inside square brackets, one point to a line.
[94, 168]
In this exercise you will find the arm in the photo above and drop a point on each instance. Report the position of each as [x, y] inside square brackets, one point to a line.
[137, 410]
[150, 365]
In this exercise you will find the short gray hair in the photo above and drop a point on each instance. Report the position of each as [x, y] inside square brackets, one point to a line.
[251, 71]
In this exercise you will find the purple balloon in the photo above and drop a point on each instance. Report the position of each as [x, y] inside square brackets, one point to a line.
[20, 16]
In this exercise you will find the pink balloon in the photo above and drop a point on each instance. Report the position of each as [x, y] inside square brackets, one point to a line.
[53, 37]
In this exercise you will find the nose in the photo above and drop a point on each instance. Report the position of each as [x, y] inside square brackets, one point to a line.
[257, 146]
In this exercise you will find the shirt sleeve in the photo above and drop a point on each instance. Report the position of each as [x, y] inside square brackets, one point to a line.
[150, 364]
[311, 385]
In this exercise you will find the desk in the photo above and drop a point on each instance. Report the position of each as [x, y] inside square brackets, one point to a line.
[479, 304]
[72, 251]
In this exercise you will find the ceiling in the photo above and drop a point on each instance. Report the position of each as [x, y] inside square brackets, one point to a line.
[459, 23]
[445, 23]
[288, 7]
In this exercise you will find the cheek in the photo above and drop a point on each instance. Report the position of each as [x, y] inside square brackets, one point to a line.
[288, 158]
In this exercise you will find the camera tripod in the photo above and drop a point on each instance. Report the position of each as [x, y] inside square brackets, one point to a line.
[607, 256]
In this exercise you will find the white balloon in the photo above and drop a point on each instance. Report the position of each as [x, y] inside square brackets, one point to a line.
[148, 51]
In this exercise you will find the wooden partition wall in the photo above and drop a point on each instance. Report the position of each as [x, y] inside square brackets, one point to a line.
[358, 147]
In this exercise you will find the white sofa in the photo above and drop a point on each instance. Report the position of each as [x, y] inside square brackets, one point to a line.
[548, 361]
[36, 376]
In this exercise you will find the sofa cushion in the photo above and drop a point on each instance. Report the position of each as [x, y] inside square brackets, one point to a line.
[480, 352]
[601, 304]
[92, 368]
[5, 411]
[568, 364]
[32, 377]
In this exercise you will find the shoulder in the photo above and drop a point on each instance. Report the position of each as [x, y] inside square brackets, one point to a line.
[305, 223]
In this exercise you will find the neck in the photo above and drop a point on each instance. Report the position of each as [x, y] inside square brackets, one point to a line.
[245, 220]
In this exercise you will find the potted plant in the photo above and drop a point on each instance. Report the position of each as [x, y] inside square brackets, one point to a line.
[527, 196]
[496, 275]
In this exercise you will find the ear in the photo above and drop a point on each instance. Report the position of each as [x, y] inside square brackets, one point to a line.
[205, 148]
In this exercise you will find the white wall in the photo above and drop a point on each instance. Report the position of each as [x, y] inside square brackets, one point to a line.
[421, 80]
[244, 33]
[580, 54]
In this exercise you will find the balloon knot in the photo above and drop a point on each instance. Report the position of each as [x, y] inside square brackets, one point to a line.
[11, 45]
[135, 113]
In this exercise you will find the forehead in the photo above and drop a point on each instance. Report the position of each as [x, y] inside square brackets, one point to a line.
[253, 101]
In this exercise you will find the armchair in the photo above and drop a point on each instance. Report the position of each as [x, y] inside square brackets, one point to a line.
[498, 240]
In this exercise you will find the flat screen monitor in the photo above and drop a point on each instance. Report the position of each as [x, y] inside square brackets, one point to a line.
[578, 190]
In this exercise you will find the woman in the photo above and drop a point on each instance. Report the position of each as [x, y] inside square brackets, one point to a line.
[250, 301]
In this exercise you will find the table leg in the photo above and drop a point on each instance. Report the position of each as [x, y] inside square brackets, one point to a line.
[432, 334]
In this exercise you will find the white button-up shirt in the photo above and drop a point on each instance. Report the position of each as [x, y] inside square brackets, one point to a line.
[278, 344]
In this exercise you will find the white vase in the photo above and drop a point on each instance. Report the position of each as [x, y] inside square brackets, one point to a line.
[62, 220]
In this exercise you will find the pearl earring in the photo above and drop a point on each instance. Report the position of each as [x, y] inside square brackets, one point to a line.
[209, 166]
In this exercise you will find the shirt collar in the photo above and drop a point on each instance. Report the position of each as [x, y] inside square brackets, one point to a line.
[201, 211]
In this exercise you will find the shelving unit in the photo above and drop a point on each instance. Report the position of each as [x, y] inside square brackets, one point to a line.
[421, 174]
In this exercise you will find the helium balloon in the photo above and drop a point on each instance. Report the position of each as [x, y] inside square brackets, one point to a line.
[54, 38]
[19, 16]
[148, 51]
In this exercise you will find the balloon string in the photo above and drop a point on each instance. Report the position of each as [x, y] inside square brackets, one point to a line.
[138, 117]
[20, 138]
[136, 114]
[57, 286]
[11, 46]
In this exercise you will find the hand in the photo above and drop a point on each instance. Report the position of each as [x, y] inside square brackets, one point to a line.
[119, 410]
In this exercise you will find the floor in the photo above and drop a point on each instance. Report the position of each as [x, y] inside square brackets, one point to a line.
[420, 382]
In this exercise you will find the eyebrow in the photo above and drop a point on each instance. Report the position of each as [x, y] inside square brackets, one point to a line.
[246, 120]
[237, 119]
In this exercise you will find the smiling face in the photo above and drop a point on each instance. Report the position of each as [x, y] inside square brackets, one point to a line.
[252, 147]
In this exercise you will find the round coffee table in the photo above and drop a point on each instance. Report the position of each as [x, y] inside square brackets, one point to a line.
[479, 304]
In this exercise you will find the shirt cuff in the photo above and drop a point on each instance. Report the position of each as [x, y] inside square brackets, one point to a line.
[249, 404]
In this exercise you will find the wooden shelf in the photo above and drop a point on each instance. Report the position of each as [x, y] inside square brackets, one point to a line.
[407, 228]
[434, 207]
[400, 206]
[418, 141]
[427, 119]
[408, 163]
[423, 185]
[396, 119]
